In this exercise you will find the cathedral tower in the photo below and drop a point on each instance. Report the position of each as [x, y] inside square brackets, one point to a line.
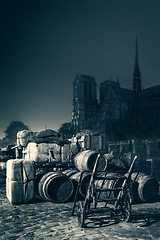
[84, 102]
[137, 88]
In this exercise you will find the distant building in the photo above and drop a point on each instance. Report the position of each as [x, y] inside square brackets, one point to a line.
[85, 102]
[120, 113]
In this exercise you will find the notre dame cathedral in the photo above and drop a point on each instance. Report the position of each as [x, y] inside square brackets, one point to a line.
[119, 113]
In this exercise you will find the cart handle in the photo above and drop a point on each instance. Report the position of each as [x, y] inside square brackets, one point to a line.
[128, 174]
[125, 180]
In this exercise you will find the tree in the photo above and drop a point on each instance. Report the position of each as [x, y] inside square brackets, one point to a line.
[12, 130]
[66, 129]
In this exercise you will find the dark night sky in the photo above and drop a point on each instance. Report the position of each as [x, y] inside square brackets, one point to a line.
[44, 44]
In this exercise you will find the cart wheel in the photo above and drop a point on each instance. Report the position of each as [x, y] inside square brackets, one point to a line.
[81, 213]
[126, 210]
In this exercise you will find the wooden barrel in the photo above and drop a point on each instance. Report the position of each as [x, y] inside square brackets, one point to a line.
[109, 156]
[70, 172]
[108, 184]
[145, 188]
[84, 183]
[117, 164]
[55, 187]
[75, 177]
[38, 177]
[85, 160]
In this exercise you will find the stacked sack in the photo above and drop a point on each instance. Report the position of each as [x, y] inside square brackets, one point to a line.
[20, 181]
[89, 140]
[24, 137]
[43, 152]
[50, 146]
[45, 136]
[68, 151]
[48, 136]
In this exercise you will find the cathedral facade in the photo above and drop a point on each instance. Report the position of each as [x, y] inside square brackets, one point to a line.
[85, 103]
[120, 113]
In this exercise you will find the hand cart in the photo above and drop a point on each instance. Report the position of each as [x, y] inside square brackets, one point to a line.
[117, 196]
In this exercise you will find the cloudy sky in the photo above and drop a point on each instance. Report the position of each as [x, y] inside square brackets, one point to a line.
[44, 44]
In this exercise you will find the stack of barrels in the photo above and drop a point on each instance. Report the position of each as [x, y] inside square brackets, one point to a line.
[144, 188]
[84, 162]
[24, 181]
[61, 186]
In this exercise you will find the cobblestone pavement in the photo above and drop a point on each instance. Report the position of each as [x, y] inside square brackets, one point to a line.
[46, 220]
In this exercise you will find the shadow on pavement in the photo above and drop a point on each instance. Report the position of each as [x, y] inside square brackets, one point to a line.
[142, 219]
[99, 222]
[147, 219]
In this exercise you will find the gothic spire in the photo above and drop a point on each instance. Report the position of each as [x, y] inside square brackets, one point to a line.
[136, 74]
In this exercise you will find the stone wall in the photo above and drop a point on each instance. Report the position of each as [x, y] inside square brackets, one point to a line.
[148, 151]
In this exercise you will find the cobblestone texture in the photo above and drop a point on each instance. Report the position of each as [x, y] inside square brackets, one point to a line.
[46, 220]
